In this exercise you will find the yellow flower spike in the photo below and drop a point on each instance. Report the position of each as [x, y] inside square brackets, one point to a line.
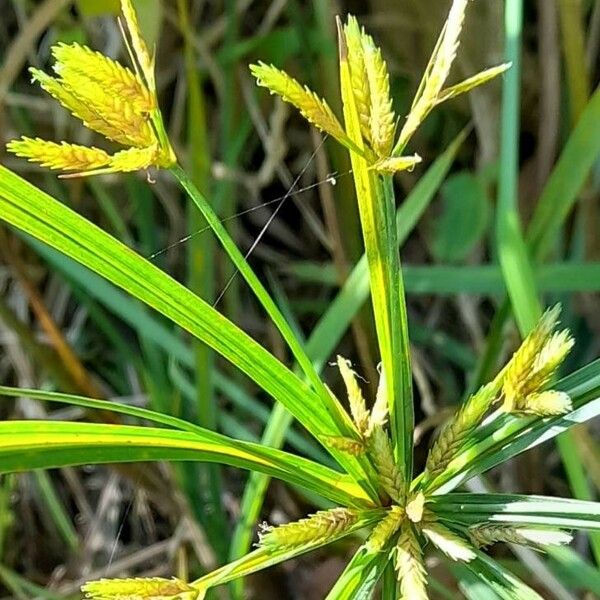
[152, 588]
[358, 406]
[381, 118]
[395, 164]
[111, 100]
[110, 74]
[314, 109]
[436, 73]
[381, 408]
[472, 82]
[79, 108]
[320, 526]
[68, 157]
[355, 38]
[385, 529]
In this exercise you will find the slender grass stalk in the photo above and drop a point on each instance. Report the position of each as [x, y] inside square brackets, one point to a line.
[203, 482]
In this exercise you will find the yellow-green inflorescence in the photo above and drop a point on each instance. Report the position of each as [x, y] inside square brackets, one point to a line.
[108, 98]
[406, 520]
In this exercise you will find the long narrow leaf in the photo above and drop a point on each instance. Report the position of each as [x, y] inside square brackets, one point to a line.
[26, 445]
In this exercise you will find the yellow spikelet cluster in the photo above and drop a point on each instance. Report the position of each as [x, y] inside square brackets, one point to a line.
[430, 92]
[457, 430]
[533, 366]
[314, 109]
[356, 400]
[366, 78]
[314, 529]
[486, 534]
[73, 60]
[385, 529]
[344, 444]
[391, 478]
[59, 156]
[154, 588]
[409, 564]
[355, 37]
[382, 118]
[109, 99]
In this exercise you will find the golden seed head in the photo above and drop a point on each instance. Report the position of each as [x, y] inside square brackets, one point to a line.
[381, 407]
[472, 82]
[109, 99]
[534, 364]
[381, 114]
[395, 164]
[315, 529]
[356, 400]
[466, 419]
[345, 444]
[385, 529]
[314, 109]
[355, 39]
[390, 477]
[67, 157]
[109, 74]
[154, 588]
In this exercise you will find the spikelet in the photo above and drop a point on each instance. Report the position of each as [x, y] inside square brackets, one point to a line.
[344, 444]
[68, 157]
[390, 476]
[380, 411]
[436, 73]
[518, 370]
[358, 75]
[110, 74]
[140, 50]
[358, 406]
[154, 588]
[533, 366]
[381, 121]
[451, 544]
[134, 159]
[314, 109]
[109, 99]
[545, 404]
[117, 112]
[409, 565]
[551, 356]
[485, 534]
[385, 529]
[472, 82]
[80, 109]
[395, 164]
[315, 529]
[415, 507]
[458, 429]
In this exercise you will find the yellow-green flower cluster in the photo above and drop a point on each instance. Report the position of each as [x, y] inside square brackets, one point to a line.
[370, 83]
[108, 98]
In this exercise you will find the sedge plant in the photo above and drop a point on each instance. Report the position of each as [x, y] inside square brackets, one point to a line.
[401, 516]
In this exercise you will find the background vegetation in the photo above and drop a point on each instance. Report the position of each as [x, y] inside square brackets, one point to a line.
[63, 328]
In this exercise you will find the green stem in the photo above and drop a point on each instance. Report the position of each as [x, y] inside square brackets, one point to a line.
[339, 421]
